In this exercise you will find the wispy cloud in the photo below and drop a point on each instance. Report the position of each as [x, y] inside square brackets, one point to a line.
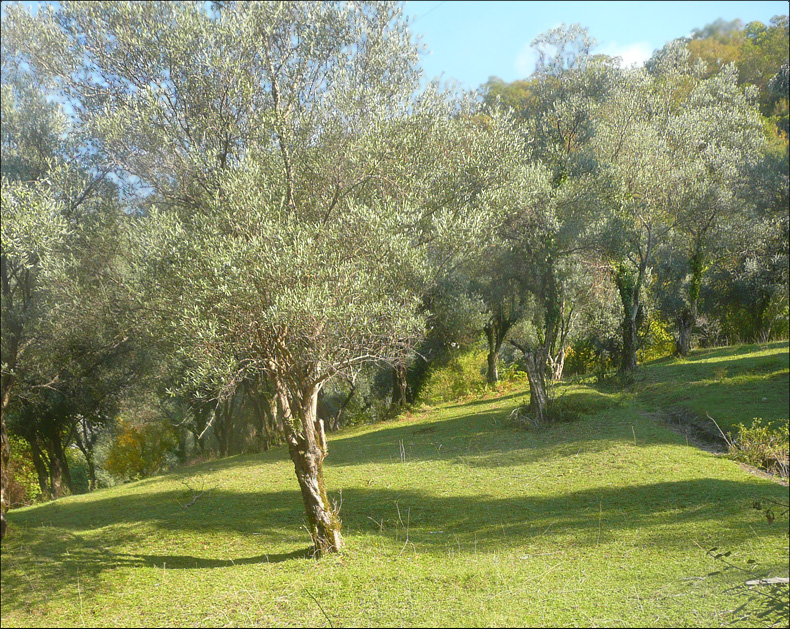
[632, 54]
[524, 63]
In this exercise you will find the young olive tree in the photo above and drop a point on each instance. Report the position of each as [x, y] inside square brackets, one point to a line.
[541, 226]
[299, 194]
[715, 138]
[636, 183]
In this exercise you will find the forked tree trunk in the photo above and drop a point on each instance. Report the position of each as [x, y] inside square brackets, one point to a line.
[557, 364]
[307, 447]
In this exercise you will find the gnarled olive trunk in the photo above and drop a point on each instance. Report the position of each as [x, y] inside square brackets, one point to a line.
[308, 449]
[687, 319]
[536, 363]
[497, 327]
[536, 374]
[628, 287]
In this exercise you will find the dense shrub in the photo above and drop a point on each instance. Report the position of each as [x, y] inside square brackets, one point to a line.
[763, 446]
[461, 376]
[23, 487]
[140, 451]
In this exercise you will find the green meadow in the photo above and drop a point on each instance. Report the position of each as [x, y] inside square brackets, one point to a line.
[452, 516]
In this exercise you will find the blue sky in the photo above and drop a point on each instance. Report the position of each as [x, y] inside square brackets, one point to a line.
[470, 41]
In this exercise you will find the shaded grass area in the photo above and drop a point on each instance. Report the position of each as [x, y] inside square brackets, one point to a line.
[452, 518]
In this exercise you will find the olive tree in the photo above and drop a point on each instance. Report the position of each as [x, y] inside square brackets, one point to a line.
[34, 227]
[636, 183]
[715, 139]
[541, 224]
[295, 191]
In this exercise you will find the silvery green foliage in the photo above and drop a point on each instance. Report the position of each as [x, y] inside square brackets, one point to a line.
[300, 193]
[33, 225]
[562, 48]
[717, 139]
[673, 151]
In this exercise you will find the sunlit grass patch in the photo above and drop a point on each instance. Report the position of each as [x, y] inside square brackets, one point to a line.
[452, 517]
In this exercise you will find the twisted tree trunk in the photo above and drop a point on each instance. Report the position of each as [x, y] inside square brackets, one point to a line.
[308, 449]
[536, 362]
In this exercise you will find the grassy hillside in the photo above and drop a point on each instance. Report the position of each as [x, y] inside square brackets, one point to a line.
[452, 517]
[731, 384]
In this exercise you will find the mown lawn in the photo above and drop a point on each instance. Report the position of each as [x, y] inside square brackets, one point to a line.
[452, 517]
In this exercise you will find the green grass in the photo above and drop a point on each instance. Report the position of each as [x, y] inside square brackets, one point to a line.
[731, 384]
[602, 522]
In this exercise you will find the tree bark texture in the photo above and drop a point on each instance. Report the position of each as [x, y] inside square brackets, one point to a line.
[536, 374]
[629, 296]
[308, 449]
[557, 364]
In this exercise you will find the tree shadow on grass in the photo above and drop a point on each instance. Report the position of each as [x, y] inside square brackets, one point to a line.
[483, 433]
[732, 364]
[655, 515]
[187, 562]
[508, 397]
